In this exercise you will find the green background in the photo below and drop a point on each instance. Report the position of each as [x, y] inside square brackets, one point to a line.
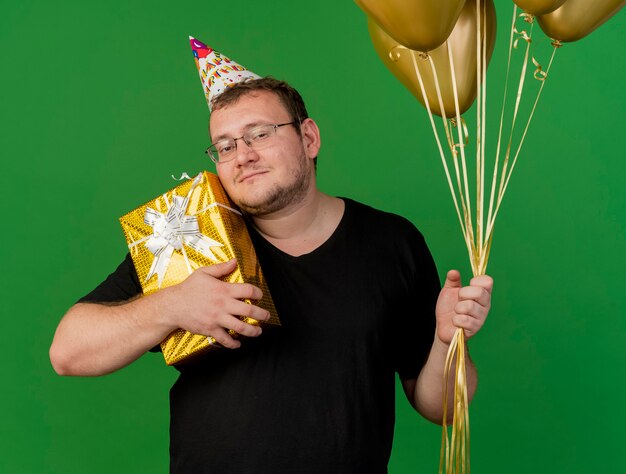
[101, 103]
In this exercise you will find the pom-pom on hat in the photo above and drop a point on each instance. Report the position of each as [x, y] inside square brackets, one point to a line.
[217, 72]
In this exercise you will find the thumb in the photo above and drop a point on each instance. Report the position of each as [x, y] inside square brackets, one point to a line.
[220, 270]
[453, 279]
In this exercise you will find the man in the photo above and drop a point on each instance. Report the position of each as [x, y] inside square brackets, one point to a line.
[355, 289]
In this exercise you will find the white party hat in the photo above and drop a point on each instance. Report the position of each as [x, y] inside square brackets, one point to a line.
[217, 72]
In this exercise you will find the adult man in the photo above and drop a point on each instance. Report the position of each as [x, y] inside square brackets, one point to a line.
[355, 289]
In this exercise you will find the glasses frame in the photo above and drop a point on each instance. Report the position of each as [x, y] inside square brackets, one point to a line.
[216, 160]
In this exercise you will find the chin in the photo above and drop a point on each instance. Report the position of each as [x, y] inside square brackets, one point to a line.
[261, 206]
[273, 201]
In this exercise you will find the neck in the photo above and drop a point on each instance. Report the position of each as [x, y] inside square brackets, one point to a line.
[303, 226]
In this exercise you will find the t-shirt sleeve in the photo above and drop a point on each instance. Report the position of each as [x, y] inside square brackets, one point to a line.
[121, 285]
[415, 339]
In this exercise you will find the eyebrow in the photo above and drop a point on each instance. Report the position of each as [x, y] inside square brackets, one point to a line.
[247, 127]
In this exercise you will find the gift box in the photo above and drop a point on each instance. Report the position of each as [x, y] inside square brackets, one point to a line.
[195, 224]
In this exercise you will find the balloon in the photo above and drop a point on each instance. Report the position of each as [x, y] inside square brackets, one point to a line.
[463, 43]
[577, 18]
[421, 25]
[539, 7]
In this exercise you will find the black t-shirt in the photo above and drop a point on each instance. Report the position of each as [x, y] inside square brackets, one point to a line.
[315, 395]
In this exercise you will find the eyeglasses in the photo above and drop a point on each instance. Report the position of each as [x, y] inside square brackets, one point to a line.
[256, 138]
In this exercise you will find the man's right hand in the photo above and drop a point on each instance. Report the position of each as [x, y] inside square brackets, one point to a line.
[204, 304]
[97, 339]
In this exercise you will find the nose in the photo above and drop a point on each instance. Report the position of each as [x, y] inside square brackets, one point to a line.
[245, 152]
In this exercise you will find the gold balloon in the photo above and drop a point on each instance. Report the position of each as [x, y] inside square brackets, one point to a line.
[462, 41]
[539, 7]
[577, 18]
[421, 25]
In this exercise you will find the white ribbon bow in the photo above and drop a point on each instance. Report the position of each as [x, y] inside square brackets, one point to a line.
[173, 231]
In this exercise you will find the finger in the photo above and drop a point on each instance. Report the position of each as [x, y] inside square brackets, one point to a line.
[241, 308]
[484, 281]
[240, 327]
[475, 293]
[225, 339]
[453, 279]
[249, 310]
[242, 291]
[220, 270]
[467, 323]
[471, 309]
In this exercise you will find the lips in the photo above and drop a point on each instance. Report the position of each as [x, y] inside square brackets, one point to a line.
[250, 174]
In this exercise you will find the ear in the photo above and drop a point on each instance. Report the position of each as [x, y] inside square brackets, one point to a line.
[310, 137]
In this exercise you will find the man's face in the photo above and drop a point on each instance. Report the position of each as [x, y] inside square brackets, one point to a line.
[263, 181]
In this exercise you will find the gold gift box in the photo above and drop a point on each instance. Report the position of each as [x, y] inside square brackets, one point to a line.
[193, 225]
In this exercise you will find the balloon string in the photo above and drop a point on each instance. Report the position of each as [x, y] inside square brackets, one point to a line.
[454, 452]
[527, 38]
[464, 196]
[483, 36]
[503, 177]
[461, 405]
[455, 447]
[506, 85]
[512, 45]
[479, 124]
[463, 188]
[466, 226]
[522, 35]
[487, 248]
[463, 136]
[445, 440]
[434, 128]
[459, 120]
[541, 77]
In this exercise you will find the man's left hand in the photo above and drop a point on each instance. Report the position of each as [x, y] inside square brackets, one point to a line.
[462, 306]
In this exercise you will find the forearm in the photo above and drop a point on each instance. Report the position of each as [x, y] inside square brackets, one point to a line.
[96, 339]
[428, 393]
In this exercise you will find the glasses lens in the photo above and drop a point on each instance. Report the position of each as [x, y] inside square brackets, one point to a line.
[212, 152]
[223, 150]
[259, 134]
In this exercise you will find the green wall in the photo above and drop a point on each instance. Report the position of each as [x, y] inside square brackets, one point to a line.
[101, 103]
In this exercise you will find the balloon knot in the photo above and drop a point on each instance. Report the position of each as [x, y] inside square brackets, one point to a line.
[394, 53]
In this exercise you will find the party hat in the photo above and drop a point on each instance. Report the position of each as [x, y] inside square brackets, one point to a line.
[217, 72]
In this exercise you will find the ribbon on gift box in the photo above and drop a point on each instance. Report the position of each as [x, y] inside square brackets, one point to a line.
[172, 235]
[174, 230]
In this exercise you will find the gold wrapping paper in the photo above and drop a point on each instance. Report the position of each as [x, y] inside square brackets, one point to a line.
[195, 224]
